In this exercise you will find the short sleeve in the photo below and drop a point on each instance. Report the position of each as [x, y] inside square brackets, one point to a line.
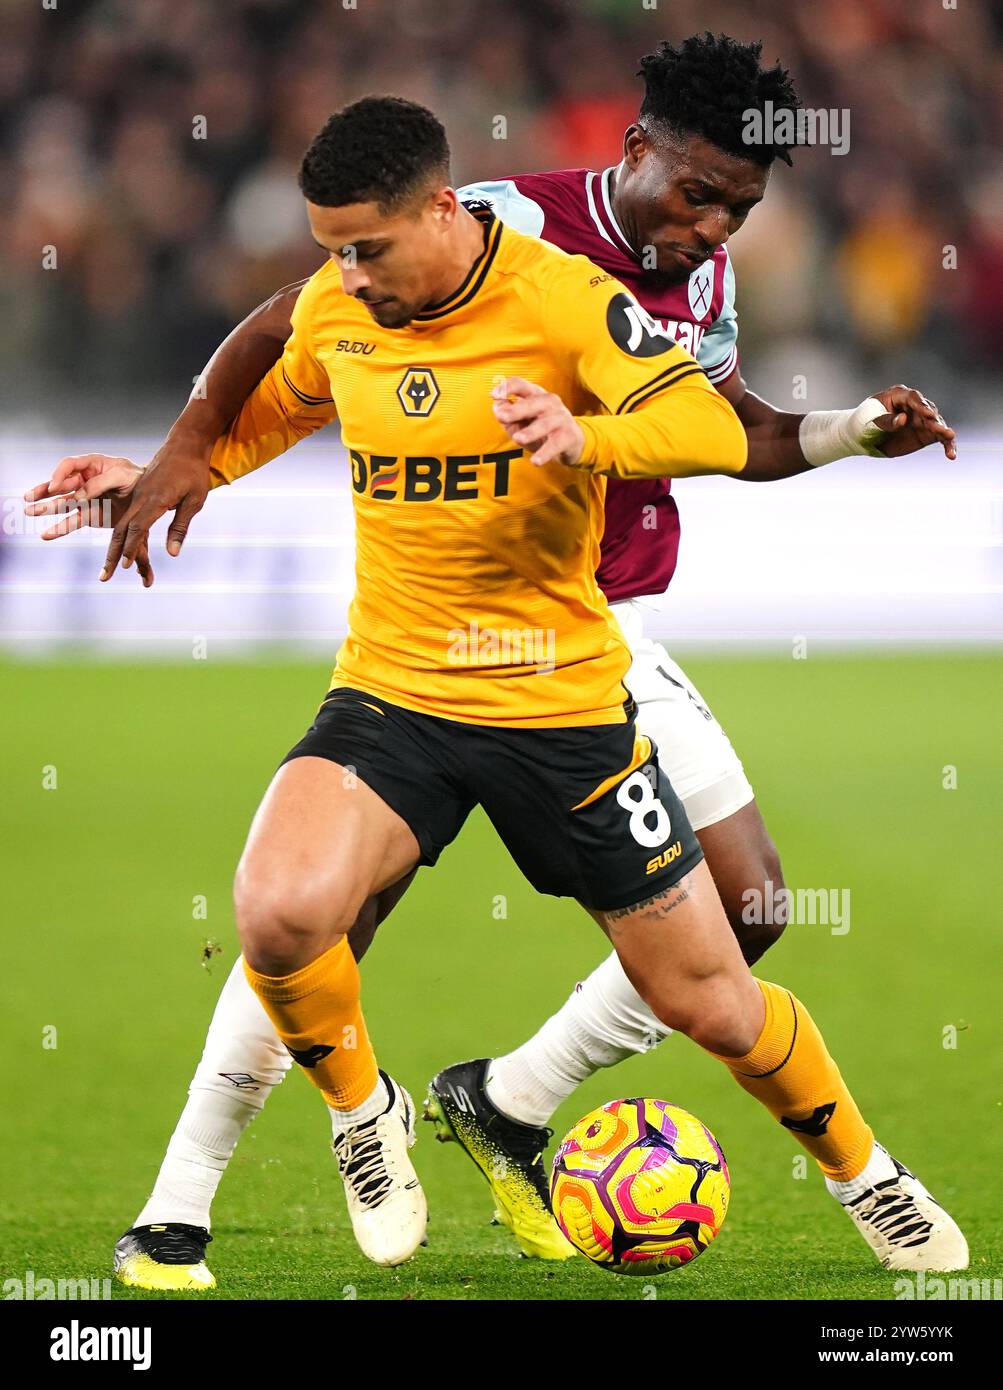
[508, 203]
[718, 350]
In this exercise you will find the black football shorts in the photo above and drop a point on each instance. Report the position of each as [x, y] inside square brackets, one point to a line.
[575, 824]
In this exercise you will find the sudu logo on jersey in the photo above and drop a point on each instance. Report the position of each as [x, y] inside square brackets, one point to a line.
[635, 332]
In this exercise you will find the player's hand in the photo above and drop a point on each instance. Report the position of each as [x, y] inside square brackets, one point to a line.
[176, 479]
[912, 422]
[88, 490]
[538, 420]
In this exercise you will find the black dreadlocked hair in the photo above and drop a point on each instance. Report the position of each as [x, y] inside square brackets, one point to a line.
[707, 86]
[378, 150]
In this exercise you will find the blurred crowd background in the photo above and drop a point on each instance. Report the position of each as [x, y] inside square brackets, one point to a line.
[163, 240]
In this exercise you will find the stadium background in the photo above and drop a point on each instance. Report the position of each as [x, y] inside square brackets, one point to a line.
[844, 627]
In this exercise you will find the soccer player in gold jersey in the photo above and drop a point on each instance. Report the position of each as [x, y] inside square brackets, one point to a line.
[485, 383]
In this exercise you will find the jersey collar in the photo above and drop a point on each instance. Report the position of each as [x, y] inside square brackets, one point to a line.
[477, 273]
[598, 193]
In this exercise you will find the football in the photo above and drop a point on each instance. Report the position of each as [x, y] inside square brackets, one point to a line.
[640, 1186]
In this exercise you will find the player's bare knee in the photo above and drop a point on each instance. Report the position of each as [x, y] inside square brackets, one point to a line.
[283, 924]
[676, 1008]
[720, 1016]
[726, 1035]
[272, 944]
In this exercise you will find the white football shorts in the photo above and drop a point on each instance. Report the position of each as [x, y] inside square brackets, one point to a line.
[693, 749]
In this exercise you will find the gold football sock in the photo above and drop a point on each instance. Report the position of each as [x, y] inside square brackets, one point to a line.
[317, 1015]
[790, 1072]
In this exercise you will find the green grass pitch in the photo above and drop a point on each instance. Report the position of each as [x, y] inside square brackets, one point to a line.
[158, 770]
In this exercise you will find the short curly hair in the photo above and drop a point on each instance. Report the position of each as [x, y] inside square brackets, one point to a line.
[378, 150]
[707, 86]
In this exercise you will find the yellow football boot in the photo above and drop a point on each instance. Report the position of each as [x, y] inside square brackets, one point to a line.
[171, 1256]
[509, 1154]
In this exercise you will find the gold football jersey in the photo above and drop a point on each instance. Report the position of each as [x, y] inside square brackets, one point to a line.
[476, 598]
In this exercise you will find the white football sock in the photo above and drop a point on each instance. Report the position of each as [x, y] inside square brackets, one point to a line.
[877, 1168]
[242, 1062]
[604, 1021]
[196, 1159]
[374, 1104]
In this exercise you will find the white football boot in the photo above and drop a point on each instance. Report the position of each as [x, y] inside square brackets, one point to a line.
[385, 1201]
[905, 1227]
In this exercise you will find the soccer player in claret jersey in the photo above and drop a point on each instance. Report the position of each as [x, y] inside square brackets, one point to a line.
[684, 186]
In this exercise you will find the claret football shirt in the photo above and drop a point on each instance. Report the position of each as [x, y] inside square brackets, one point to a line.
[573, 209]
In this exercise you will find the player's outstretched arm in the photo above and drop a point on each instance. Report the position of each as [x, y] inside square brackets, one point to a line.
[890, 423]
[89, 490]
[103, 490]
[179, 476]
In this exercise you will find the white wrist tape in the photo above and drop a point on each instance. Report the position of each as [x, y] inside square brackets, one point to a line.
[827, 435]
